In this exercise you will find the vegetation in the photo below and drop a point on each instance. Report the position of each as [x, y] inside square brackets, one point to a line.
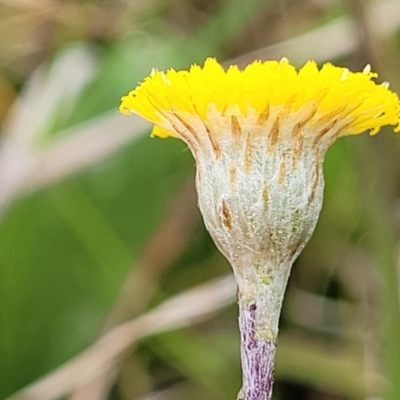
[99, 224]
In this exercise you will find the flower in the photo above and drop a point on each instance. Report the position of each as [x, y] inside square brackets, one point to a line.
[259, 137]
[329, 94]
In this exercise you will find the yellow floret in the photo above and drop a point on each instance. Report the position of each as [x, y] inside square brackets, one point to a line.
[336, 91]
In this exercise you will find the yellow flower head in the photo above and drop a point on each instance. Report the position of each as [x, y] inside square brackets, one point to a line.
[259, 136]
[326, 99]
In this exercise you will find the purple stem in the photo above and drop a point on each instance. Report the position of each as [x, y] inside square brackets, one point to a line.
[258, 357]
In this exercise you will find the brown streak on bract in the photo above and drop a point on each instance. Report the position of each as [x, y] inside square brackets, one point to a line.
[273, 135]
[332, 114]
[186, 125]
[310, 112]
[265, 195]
[282, 172]
[287, 108]
[232, 177]
[226, 215]
[296, 130]
[298, 150]
[186, 138]
[315, 183]
[263, 117]
[323, 132]
[214, 144]
[247, 154]
[235, 126]
[299, 125]
[297, 134]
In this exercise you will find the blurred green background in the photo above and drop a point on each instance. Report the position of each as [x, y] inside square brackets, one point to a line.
[98, 222]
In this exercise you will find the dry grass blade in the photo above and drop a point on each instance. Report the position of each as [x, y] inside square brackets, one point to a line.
[47, 90]
[24, 169]
[182, 310]
[26, 166]
[83, 146]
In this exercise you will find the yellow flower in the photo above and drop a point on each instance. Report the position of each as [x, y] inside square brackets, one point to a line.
[259, 136]
[325, 100]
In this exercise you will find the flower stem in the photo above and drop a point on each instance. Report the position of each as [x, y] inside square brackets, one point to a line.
[257, 354]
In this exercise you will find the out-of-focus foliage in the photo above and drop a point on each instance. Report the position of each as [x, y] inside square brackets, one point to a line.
[85, 247]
